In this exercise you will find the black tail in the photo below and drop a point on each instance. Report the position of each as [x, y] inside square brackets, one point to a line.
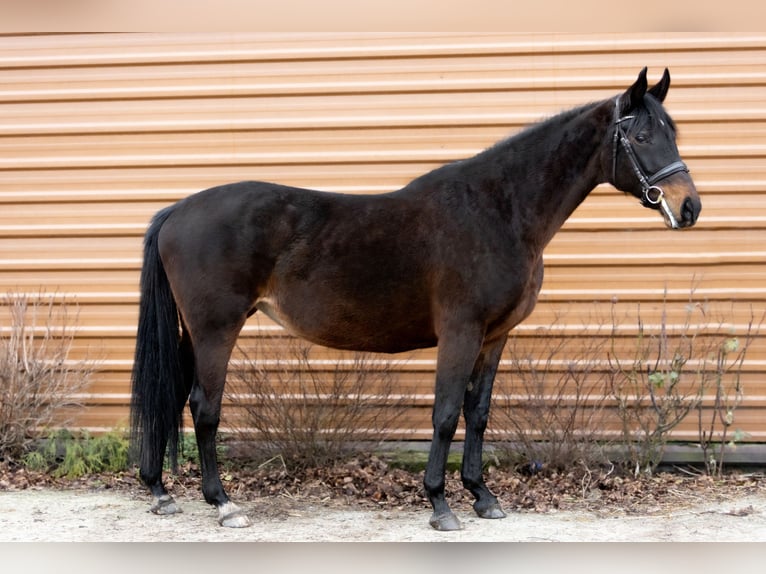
[158, 392]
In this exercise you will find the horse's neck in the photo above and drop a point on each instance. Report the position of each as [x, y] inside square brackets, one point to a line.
[562, 168]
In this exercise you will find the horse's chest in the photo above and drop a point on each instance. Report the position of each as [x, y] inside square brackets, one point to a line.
[522, 304]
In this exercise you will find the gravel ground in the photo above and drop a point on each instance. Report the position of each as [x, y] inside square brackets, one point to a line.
[49, 515]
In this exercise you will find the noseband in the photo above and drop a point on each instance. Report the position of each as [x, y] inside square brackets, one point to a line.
[652, 193]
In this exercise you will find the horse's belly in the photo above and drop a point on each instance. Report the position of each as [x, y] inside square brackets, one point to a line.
[356, 332]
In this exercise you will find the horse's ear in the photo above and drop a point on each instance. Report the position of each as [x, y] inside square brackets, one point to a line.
[661, 89]
[634, 95]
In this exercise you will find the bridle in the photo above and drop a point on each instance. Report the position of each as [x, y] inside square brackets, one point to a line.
[652, 194]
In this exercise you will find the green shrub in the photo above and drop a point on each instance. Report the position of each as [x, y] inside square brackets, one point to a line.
[64, 453]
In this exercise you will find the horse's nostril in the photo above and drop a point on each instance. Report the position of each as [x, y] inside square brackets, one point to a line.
[688, 214]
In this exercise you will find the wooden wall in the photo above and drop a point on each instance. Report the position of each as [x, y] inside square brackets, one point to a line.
[98, 132]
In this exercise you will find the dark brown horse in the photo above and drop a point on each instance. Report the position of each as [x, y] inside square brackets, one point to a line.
[454, 259]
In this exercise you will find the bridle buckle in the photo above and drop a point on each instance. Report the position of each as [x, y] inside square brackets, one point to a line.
[653, 195]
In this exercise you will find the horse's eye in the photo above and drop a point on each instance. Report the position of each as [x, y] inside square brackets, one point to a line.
[641, 138]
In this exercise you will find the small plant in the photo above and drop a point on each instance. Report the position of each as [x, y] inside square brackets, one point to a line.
[64, 453]
[656, 388]
[725, 377]
[312, 412]
[38, 381]
[671, 372]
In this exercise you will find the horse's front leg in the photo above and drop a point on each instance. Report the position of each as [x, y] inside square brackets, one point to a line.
[456, 357]
[476, 410]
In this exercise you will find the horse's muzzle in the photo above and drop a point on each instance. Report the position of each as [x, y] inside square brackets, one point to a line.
[677, 200]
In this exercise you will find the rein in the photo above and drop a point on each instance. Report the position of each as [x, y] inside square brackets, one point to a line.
[652, 193]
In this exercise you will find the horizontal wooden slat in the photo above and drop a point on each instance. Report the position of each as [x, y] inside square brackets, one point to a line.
[325, 112]
[53, 51]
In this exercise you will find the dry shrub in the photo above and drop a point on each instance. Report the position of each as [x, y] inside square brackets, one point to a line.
[615, 390]
[38, 383]
[549, 411]
[311, 412]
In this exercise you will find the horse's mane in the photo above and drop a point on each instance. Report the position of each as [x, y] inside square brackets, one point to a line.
[540, 128]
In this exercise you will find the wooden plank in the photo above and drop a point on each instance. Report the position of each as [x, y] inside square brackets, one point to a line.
[152, 48]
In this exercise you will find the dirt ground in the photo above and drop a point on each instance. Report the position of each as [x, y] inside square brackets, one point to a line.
[366, 499]
[120, 516]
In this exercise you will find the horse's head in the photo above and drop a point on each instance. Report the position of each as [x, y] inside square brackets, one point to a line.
[645, 161]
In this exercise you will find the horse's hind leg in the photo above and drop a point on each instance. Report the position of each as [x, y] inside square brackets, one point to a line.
[212, 351]
[476, 411]
[151, 467]
[163, 502]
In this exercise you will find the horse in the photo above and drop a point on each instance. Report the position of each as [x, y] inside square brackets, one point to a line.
[454, 259]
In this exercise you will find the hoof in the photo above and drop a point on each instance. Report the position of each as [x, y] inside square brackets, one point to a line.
[165, 505]
[232, 516]
[445, 522]
[236, 520]
[492, 511]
